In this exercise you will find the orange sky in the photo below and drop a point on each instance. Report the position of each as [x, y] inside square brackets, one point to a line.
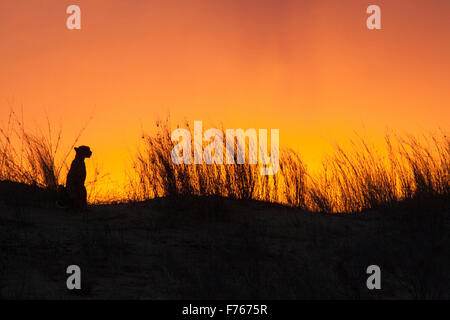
[309, 68]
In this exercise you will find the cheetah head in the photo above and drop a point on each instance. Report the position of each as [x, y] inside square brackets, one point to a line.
[83, 152]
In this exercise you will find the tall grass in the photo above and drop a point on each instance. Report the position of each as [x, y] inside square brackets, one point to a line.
[364, 177]
[28, 157]
[156, 175]
[352, 179]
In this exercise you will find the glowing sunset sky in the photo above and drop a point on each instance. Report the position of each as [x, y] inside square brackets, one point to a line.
[309, 68]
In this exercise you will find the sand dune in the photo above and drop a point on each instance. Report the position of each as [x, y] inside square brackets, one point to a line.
[211, 248]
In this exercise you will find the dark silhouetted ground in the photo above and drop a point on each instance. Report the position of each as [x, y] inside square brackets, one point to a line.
[212, 248]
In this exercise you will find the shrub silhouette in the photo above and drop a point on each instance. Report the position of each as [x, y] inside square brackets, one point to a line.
[156, 175]
[351, 180]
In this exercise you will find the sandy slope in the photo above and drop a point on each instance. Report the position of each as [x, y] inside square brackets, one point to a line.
[200, 248]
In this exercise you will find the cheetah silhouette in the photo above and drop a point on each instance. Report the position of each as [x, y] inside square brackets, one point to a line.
[75, 190]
